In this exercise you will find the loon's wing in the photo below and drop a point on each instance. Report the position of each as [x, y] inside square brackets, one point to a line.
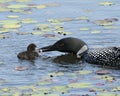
[104, 56]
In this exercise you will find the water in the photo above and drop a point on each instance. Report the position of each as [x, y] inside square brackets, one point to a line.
[56, 61]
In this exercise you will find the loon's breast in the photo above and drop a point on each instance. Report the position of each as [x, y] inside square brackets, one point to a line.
[104, 56]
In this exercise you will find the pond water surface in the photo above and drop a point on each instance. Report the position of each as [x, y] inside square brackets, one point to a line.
[56, 62]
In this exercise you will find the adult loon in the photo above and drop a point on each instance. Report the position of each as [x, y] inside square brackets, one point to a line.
[104, 56]
[30, 54]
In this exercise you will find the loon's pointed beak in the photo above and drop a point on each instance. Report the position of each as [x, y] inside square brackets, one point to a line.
[46, 49]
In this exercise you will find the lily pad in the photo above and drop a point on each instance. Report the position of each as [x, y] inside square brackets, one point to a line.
[85, 29]
[4, 1]
[13, 16]
[28, 21]
[17, 6]
[41, 6]
[107, 3]
[80, 85]
[84, 72]
[23, 0]
[21, 68]
[11, 26]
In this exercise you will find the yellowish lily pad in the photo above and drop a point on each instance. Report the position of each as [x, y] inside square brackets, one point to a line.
[11, 26]
[37, 33]
[84, 72]
[4, 1]
[3, 30]
[23, 0]
[107, 94]
[13, 16]
[85, 29]
[95, 31]
[41, 6]
[17, 6]
[28, 21]
[80, 85]
[107, 3]
[56, 74]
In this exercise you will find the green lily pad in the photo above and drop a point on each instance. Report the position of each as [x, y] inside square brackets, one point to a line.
[17, 6]
[13, 16]
[85, 29]
[84, 72]
[80, 85]
[28, 21]
[37, 33]
[107, 3]
[11, 26]
[4, 1]
[23, 0]
[41, 6]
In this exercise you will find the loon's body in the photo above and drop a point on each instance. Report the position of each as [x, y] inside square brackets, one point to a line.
[103, 56]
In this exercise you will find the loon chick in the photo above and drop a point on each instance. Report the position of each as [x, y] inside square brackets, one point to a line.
[103, 56]
[30, 54]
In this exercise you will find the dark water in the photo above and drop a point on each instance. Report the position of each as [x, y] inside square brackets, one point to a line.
[56, 61]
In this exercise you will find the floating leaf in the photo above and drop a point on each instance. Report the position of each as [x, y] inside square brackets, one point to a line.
[42, 27]
[110, 27]
[102, 72]
[84, 72]
[4, 9]
[1, 63]
[95, 31]
[66, 19]
[23, 0]
[38, 33]
[52, 4]
[4, 1]
[28, 20]
[9, 21]
[107, 3]
[13, 16]
[59, 28]
[22, 33]
[9, 26]
[56, 74]
[63, 33]
[3, 30]
[82, 18]
[3, 36]
[41, 6]
[103, 22]
[106, 94]
[80, 85]
[21, 68]
[17, 6]
[60, 88]
[84, 29]
[54, 21]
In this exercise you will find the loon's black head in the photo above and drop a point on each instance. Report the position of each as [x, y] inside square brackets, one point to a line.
[69, 44]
